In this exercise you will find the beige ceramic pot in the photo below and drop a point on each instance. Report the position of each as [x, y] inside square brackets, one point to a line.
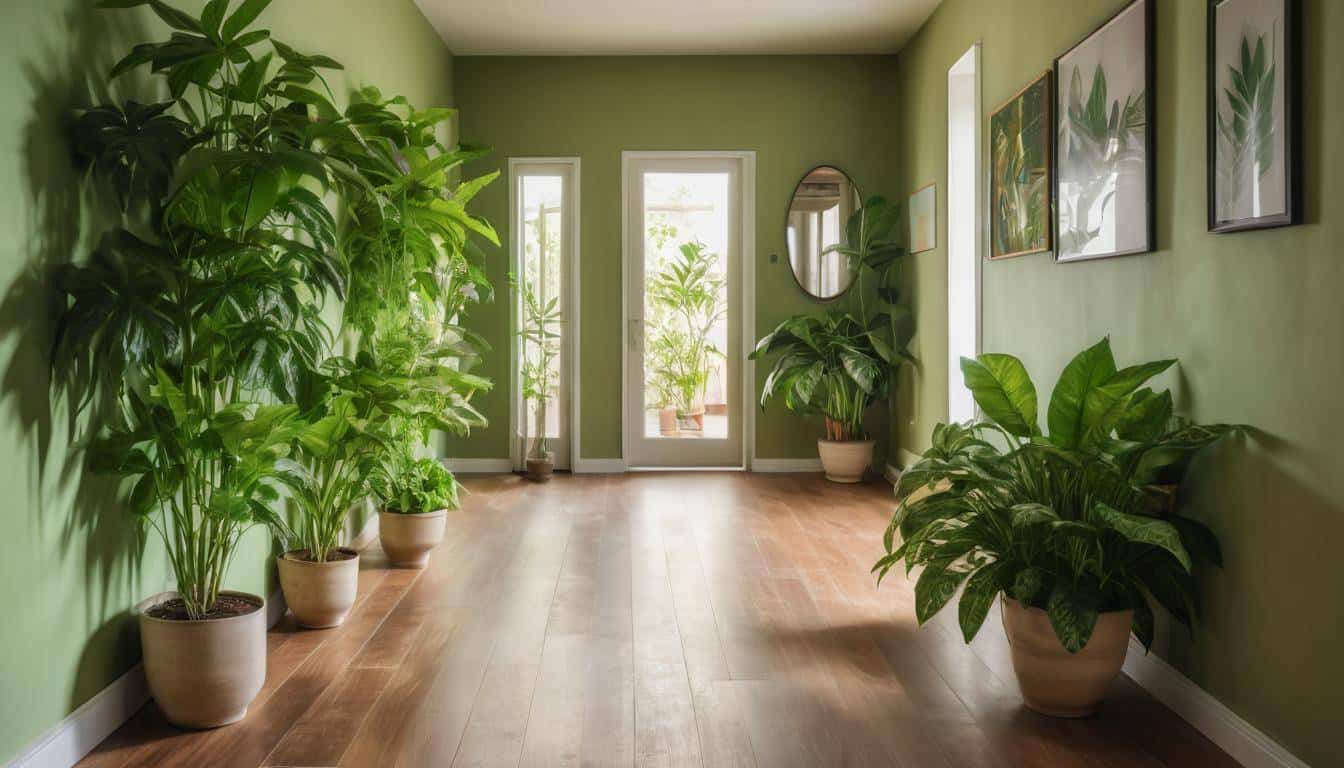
[205, 673]
[845, 461]
[1053, 681]
[319, 594]
[667, 421]
[409, 539]
[540, 470]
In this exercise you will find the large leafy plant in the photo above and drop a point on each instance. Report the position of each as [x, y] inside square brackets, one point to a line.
[1066, 521]
[423, 485]
[207, 302]
[688, 297]
[840, 363]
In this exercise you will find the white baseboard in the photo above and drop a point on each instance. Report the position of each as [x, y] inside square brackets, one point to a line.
[599, 466]
[68, 741]
[1238, 738]
[786, 465]
[478, 466]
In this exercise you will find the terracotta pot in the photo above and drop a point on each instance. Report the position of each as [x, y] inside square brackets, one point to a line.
[667, 421]
[204, 673]
[540, 470]
[319, 594]
[845, 461]
[1053, 681]
[408, 539]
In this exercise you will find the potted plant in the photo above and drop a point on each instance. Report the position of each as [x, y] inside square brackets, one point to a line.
[540, 336]
[1059, 527]
[198, 309]
[414, 498]
[840, 363]
[688, 297]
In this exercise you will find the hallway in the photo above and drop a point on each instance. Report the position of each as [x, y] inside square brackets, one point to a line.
[653, 619]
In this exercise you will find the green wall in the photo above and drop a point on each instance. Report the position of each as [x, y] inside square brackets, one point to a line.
[70, 570]
[795, 112]
[1255, 319]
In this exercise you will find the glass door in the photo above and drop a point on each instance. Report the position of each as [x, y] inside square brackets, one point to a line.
[543, 245]
[683, 311]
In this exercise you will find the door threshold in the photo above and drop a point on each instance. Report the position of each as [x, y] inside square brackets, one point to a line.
[686, 469]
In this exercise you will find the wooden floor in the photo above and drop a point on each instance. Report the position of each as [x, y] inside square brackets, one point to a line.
[653, 619]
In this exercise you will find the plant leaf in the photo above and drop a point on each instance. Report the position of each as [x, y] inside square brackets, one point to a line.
[1073, 614]
[1088, 370]
[1004, 391]
[977, 597]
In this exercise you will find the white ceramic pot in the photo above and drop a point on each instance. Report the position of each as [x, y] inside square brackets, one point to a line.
[204, 673]
[1053, 681]
[319, 594]
[845, 461]
[408, 540]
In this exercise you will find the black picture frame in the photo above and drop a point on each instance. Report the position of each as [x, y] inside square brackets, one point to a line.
[1292, 145]
[1061, 89]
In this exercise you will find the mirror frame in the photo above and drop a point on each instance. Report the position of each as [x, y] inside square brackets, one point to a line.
[789, 255]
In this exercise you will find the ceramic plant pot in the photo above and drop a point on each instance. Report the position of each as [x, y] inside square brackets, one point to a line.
[667, 421]
[409, 539]
[204, 673]
[319, 594]
[1053, 681]
[691, 422]
[845, 461]
[540, 470]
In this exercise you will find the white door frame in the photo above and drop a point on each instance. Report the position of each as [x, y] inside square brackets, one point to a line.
[570, 342]
[748, 309]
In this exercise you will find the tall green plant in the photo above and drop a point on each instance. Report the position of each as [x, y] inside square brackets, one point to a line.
[691, 296]
[837, 365]
[540, 336]
[1065, 521]
[1246, 128]
[206, 302]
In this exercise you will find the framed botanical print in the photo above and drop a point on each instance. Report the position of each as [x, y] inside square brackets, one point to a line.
[1104, 169]
[1254, 152]
[1019, 183]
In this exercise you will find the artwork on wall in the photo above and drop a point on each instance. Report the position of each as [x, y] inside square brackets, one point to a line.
[1019, 184]
[1104, 140]
[924, 219]
[1253, 106]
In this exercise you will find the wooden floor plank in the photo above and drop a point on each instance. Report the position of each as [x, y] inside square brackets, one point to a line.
[678, 619]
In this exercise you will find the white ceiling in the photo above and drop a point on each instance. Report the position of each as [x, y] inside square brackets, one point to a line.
[646, 27]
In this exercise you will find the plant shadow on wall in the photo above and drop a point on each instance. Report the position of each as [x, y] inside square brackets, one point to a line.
[61, 211]
[840, 364]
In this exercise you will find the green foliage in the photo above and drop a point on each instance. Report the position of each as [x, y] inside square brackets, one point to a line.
[691, 295]
[540, 335]
[1063, 522]
[207, 303]
[840, 363]
[1021, 194]
[420, 485]
[1246, 128]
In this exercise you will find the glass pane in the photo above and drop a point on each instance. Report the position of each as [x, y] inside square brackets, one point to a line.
[685, 305]
[543, 234]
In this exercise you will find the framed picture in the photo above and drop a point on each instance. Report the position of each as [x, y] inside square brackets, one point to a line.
[1019, 183]
[1253, 82]
[1104, 167]
[924, 219]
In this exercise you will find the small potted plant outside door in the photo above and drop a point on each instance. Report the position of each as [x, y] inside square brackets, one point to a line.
[688, 299]
[540, 336]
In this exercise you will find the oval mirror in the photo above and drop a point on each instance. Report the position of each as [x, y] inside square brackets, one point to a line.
[821, 206]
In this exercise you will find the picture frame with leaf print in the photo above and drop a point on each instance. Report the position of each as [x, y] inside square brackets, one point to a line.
[1020, 132]
[1105, 171]
[1254, 170]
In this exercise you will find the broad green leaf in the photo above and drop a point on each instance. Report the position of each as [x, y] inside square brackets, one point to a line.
[1145, 530]
[172, 396]
[1103, 405]
[245, 14]
[1031, 514]
[1028, 585]
[935, 587]
[976, 599]
[1145, 417]
[1199, 541]
[262, 194]
[1004, 391]
[1088, 370]
[1073, 614]
[1142, 626]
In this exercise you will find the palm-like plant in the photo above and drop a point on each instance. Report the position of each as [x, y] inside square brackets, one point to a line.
[1246, 129]
[182, 325]
[1064, 522]
[540, 335]
[690, 293]
[1096, 138]
[840, 363]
